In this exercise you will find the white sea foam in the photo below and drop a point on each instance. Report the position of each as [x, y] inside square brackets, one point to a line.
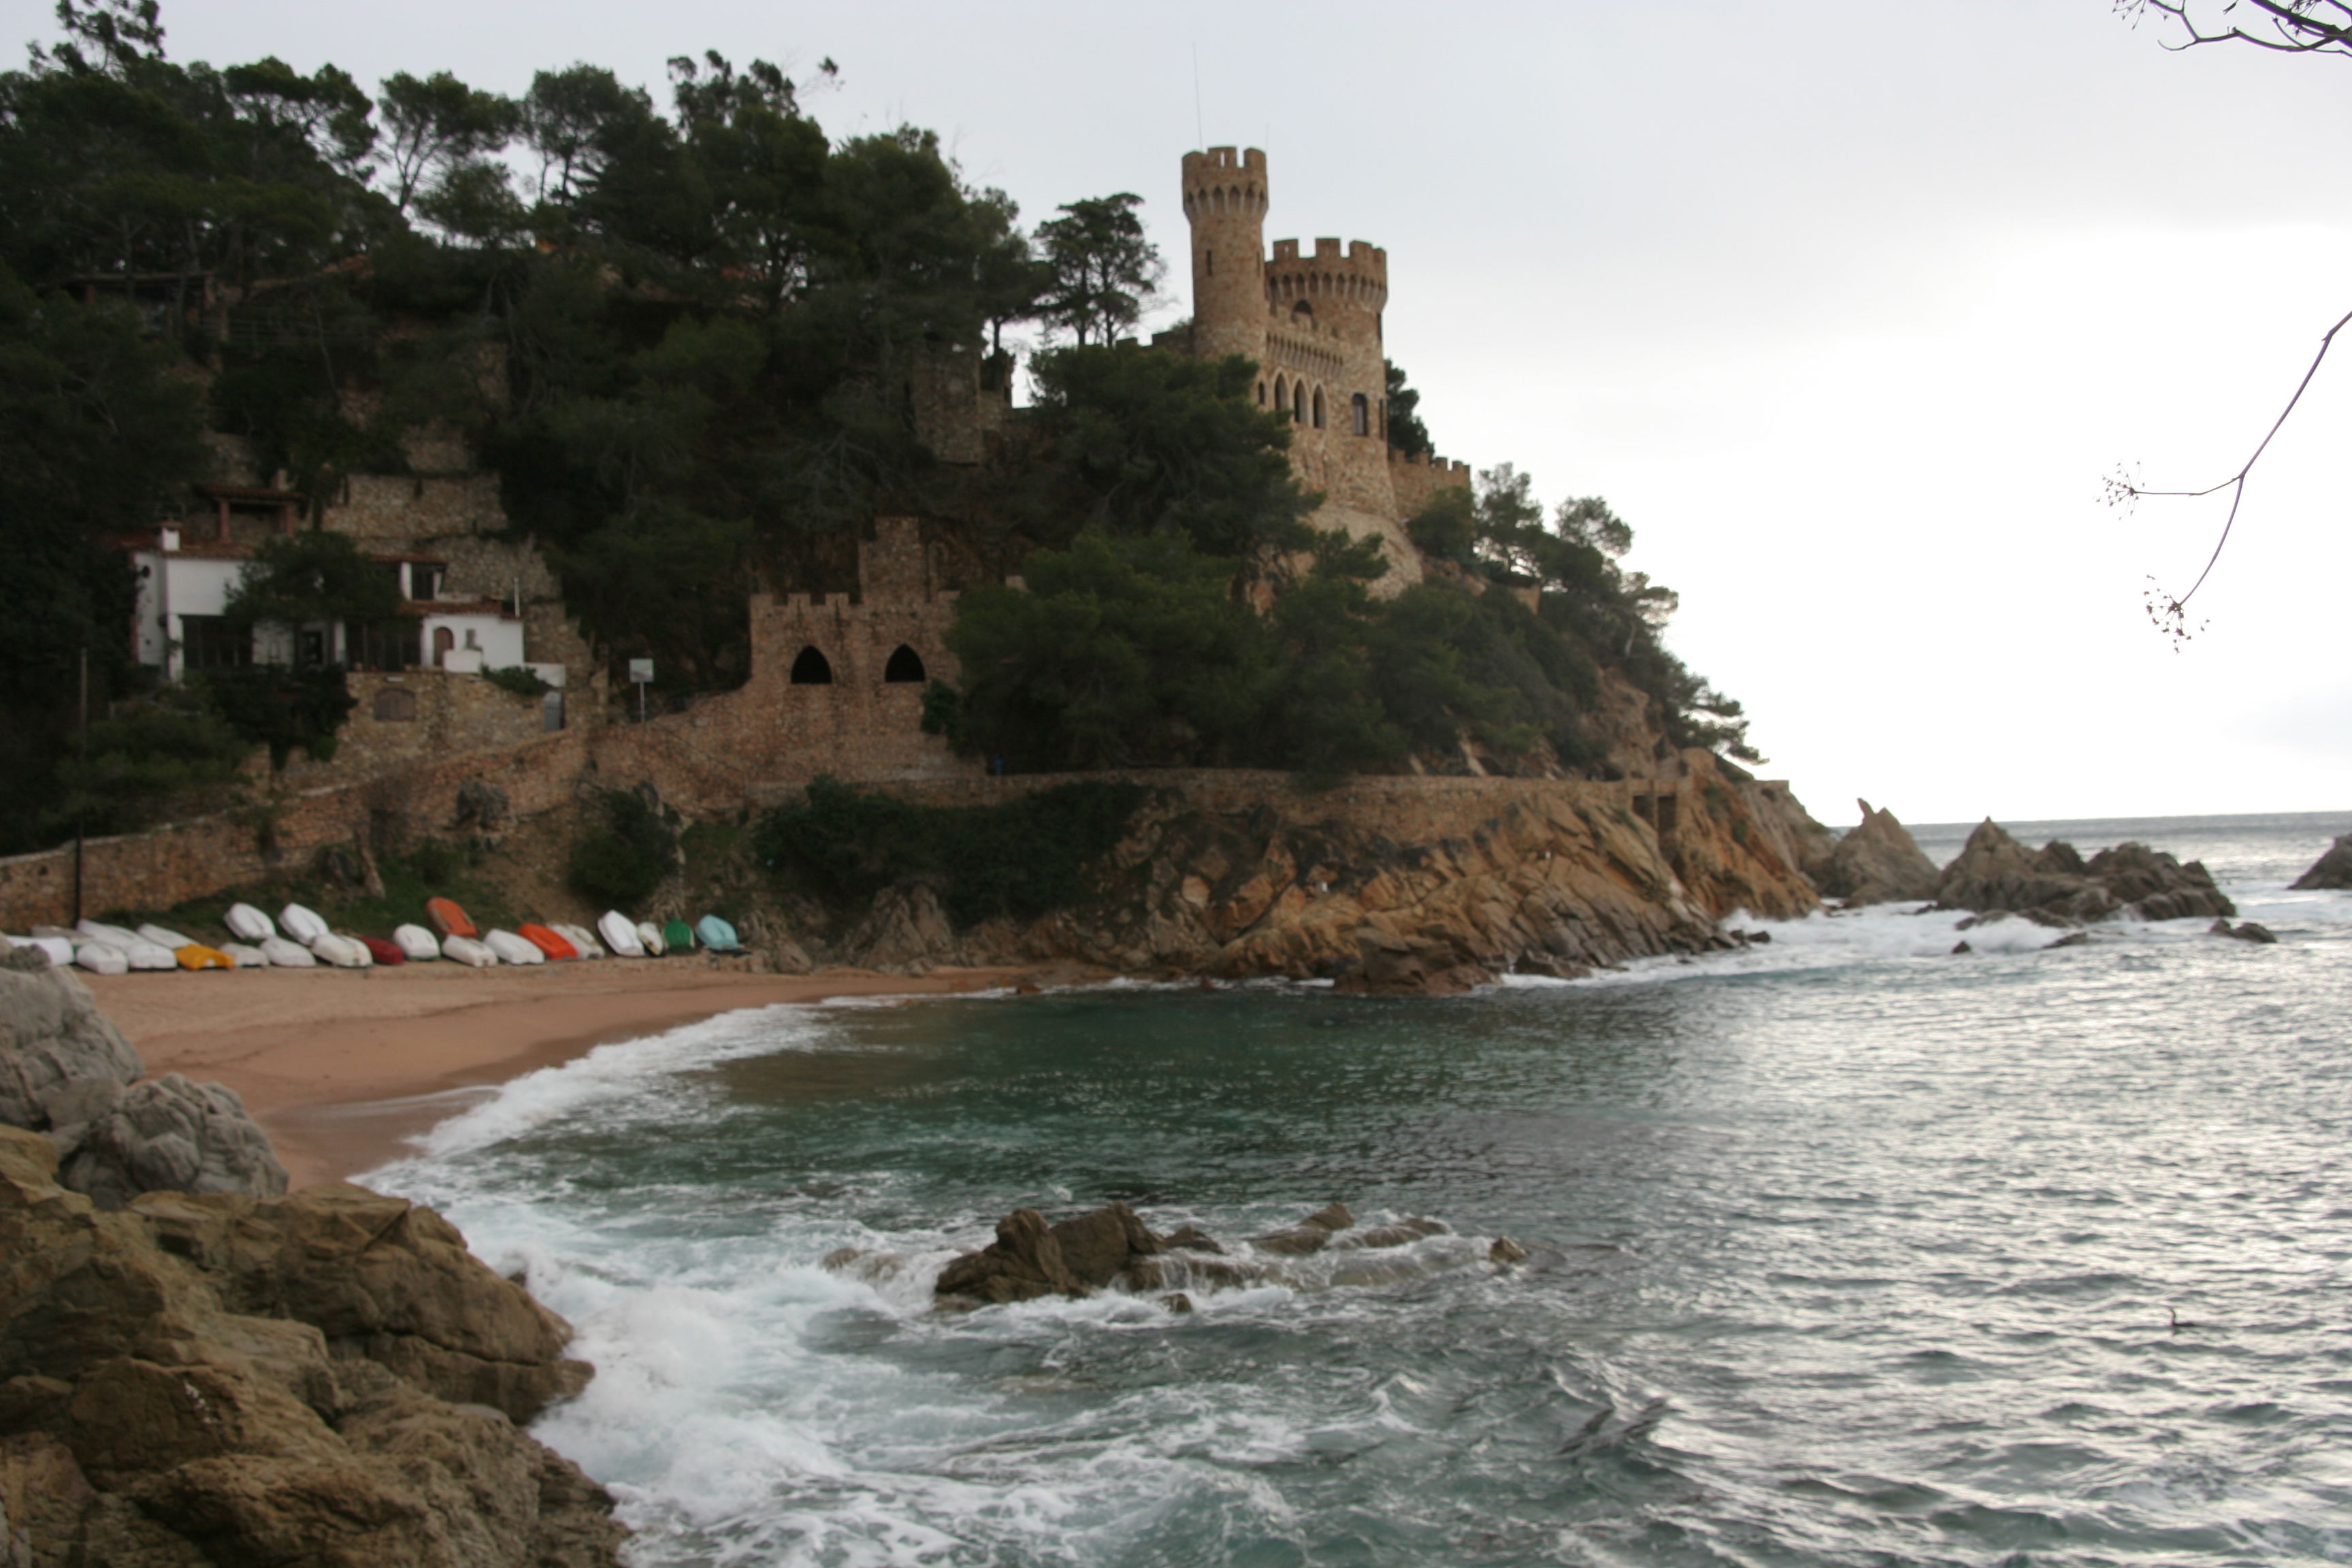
[614, 1075]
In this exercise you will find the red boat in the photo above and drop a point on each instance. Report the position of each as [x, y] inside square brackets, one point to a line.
[547, 942]
[384, 952]
[448, 919]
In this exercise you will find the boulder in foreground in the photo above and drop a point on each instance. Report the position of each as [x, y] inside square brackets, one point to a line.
[323, 1379]
[67, 1072]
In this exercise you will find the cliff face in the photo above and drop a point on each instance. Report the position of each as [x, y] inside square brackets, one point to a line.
[327, 1378]
[1399, 884]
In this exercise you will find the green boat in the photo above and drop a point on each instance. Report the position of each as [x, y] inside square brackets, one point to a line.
[677, 936]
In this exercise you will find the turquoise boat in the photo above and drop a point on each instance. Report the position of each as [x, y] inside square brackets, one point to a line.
[718, 935]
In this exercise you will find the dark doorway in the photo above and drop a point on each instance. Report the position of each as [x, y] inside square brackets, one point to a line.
[906, 666]
[812, 668]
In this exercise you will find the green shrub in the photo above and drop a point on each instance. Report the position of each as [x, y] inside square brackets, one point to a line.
[518, 679]
[1025, 858]
[622, 859]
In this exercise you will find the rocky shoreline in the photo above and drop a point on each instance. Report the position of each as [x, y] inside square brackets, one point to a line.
[197, 1368]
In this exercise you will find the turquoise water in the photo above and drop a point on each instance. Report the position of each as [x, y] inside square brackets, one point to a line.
[1844, 1250]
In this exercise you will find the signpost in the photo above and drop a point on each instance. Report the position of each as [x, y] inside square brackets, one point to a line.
[641, 670]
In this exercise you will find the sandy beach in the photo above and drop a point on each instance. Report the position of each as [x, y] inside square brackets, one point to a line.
[342, 1065]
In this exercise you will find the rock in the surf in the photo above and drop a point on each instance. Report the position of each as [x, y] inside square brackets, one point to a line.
[1312, 1233]
[1994, 872]
[2333, 869]
[1877, 863]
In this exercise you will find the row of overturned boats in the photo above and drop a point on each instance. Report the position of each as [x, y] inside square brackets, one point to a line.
[301, 938]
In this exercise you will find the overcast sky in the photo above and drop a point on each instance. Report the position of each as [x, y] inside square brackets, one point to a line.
[1847, 306]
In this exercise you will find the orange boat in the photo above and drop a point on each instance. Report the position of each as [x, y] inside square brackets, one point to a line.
[547, 942]
[448, 919]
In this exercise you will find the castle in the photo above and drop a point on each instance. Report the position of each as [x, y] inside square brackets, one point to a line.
[1312, 323]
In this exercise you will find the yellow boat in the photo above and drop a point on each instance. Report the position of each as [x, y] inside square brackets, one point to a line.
[196, 955]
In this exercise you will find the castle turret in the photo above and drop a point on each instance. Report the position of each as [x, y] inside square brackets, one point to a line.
[1225, 201]
[1312, 324]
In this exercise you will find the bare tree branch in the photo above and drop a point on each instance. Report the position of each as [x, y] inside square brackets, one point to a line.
[2296, 26]
[2170, 614]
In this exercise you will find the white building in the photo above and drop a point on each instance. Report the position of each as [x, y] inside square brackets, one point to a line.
[181, 622]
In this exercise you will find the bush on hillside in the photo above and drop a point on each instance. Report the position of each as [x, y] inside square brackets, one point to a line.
[626, 857]
[1024, 858]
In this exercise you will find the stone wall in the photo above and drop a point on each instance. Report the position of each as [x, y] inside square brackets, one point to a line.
[414, 717]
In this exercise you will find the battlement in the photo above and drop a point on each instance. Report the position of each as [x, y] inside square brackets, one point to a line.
[1217, 184]
[1226, 159]
[1360, 275]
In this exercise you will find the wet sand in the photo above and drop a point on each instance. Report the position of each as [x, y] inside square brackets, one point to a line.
[342, 1065]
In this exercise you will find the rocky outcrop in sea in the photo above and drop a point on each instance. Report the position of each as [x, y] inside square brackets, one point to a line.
[1877, 863]
[1111, 1248]
[197, 1368]
[2333, 869]
[1994, 873]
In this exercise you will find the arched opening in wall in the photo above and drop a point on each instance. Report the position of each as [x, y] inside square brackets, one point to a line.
[1260, 395]
[906, 667]
[1303, 312]
[443, 640]
[1208, 263]
[1298, 403]
[1360, 415]
[812, 668]
[1318, 408]
[395, 705]
[1281, 395]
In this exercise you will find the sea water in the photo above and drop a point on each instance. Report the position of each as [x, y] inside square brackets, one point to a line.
[1845, 1249]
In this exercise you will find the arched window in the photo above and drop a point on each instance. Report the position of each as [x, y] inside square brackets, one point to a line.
[395, 705]
[1260, 395]
[1360, 415]
[1208, 263]
[1281, 395]
[1303, 310]
[906, 667]
[812, 668]
[1318, 408]
[1298, 403]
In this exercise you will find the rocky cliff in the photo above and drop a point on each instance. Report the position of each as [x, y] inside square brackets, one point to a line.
[197, 1369]
[1409, 885]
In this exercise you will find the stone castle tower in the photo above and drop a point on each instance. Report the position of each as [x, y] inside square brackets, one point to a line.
[1312, 323]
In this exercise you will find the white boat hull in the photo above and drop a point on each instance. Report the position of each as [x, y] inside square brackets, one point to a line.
[415, 943]
[245, 955]
[305, 926]
[248, 924]
[286, 954]
[620, 934]
[512, 949]
[101, 958]
[342, 951]
[467, 951]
